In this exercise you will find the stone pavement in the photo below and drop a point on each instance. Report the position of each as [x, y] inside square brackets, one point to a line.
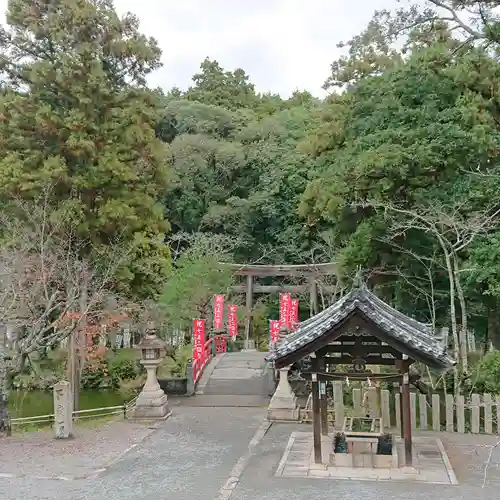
[430, 461]
[240, 373]
[207, 453]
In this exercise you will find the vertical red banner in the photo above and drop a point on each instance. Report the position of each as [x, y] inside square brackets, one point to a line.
[199, 340]
[232, 320]
[274, 330]
[285, 310]
[294, 313]
[218, 312]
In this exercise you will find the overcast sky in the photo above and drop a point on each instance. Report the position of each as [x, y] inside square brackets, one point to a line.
[283, 44]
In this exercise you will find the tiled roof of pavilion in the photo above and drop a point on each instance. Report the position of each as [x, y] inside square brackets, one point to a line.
[412, 337]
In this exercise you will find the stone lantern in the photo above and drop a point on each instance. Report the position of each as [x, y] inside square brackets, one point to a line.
[152, 402]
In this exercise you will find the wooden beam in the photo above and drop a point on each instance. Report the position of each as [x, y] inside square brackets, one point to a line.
[271, 288]
[370, 360]
[282, 270]
[385, 377]
[360, 350]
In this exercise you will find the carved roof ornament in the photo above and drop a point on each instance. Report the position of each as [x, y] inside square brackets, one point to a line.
[359, 280]
[407, 335]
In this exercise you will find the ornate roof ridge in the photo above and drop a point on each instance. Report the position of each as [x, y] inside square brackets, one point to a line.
[415, 335]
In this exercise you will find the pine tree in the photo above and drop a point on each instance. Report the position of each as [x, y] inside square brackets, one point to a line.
[75, 113]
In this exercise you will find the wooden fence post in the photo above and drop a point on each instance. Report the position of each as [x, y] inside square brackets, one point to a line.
[449, 412]
[475, 402]
[422, 407]
[413, 410]
[436, 412]
[460, 414]
[488, 420]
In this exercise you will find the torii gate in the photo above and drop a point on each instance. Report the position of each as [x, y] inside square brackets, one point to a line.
[309, 271]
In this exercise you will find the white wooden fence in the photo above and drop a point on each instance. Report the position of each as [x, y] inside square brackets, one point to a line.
[477, 413]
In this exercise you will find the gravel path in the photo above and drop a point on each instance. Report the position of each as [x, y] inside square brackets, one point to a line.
[39, 454]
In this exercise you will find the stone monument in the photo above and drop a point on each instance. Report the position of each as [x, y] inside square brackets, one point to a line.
[152, 402]
[63, 410]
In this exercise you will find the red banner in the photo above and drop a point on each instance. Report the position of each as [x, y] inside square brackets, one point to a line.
[232, 320]
[294, 314]
[285, 310]
[199, 339]
[218, 312]
[274, 328]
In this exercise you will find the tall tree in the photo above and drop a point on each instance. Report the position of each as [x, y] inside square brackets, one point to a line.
[419, 131]
[76, 112]
[229, 89]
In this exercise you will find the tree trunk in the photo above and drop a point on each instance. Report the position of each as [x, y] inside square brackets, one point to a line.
[453, 313]
[463, 316]
[4, 399]
[493, 335]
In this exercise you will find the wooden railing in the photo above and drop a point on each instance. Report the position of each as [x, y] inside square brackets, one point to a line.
[199, 364]
[214, 345]
[77, 415]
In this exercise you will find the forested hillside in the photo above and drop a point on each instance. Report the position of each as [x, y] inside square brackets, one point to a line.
[396, 173]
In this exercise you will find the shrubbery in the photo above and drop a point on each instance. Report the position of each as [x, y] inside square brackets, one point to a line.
[485, 374]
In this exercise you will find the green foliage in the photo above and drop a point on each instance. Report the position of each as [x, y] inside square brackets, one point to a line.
[249, 177]
[485, 376]
[175, 364]
[196, 277]
[76, 115]
[228, 89]
[96, 375]
[122, 369]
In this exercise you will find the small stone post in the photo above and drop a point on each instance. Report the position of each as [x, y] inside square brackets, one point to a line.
[63, 410]
[190, 385]
[283, 405]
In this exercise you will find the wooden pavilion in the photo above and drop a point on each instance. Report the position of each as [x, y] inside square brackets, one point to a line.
[360, 330]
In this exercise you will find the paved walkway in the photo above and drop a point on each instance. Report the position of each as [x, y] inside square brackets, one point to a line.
[235, 379]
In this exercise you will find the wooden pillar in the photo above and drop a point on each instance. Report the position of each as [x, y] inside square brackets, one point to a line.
[248, 306]
[323, 402]
[406, 420]
[316, 419]
[401, 410]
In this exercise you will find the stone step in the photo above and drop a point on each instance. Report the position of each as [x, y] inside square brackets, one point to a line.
[229, 401]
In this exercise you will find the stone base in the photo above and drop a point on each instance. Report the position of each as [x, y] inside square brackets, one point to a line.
[283, 407]
[283, 414]
[363, 453]
[365, 460]
[151, 407]
[298, 461]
